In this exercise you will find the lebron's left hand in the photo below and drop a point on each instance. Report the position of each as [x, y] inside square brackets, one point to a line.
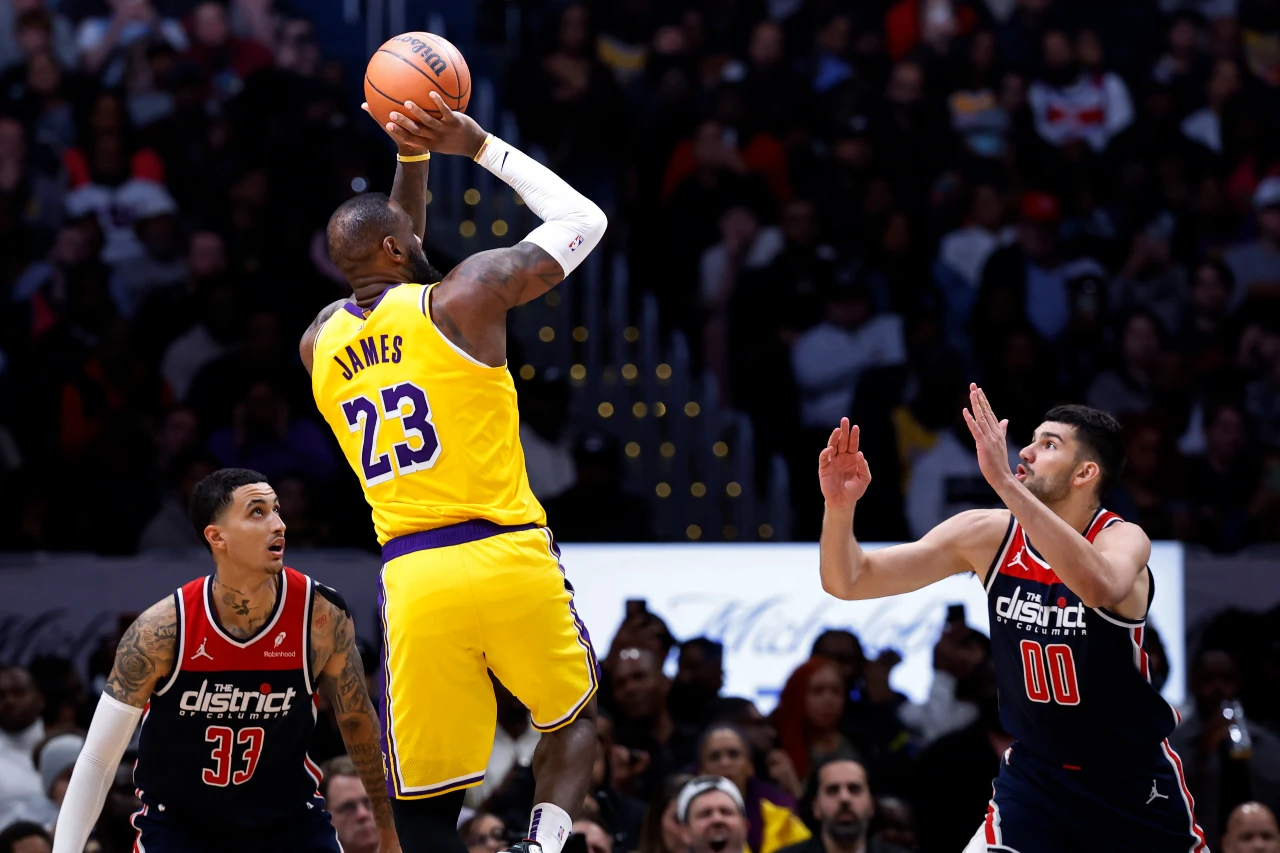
[989, 435]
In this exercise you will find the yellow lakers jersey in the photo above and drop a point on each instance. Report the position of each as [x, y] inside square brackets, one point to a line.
[432, 433]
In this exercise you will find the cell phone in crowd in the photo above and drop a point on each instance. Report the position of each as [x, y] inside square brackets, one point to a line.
[955, 613]
[636, 607]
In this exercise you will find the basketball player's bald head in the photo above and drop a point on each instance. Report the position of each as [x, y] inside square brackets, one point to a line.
[371, 236]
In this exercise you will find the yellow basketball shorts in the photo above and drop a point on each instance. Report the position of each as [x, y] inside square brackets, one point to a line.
[456, 602]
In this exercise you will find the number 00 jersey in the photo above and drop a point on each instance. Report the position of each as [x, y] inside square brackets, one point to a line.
[224, 739]
[1075, 685]
[432, 433]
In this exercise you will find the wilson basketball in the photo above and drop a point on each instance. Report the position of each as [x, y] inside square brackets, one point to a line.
[408, 68]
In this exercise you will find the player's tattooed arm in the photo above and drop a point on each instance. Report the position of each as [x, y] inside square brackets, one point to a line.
[307, 346]
[470, 306]
[342, 683]
[145, 654]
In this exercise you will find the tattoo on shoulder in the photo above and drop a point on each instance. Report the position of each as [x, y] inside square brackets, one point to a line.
[506, 273]
[145, 654]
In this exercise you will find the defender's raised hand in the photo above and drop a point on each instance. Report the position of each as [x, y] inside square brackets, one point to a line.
[989, 435]
[842, 469]
[451, 133]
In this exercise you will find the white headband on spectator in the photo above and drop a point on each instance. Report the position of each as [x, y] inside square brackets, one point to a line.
[695, 788]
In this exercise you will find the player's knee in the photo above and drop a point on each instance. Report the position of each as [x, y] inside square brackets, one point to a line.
[429, 824]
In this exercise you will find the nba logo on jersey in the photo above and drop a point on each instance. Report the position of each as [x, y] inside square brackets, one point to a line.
[575, 242]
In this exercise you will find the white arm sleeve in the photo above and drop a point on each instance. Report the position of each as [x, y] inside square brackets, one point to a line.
[104, 746]
[572, 224]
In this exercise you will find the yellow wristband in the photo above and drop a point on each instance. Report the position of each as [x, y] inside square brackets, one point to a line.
[413, 158]
[483, 145]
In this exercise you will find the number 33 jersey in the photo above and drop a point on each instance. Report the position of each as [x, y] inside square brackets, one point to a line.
[1075, 683]
[432, 433]
[224, 738]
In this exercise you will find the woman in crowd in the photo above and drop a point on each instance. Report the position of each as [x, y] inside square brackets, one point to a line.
[808, 715]
[771, 818]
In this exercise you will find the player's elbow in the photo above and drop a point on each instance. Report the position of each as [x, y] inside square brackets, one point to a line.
[594, 223]
[1103, 592]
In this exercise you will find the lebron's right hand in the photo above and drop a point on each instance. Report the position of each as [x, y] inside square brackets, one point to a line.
[842, 469]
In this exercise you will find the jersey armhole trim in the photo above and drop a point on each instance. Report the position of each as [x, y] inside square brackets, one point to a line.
[308, 611]
[182, 644]
[998, 561]
[463, 354]
[1125, 620]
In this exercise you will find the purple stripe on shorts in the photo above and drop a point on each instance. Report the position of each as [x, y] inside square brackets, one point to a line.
[443, 537]
[390, 763]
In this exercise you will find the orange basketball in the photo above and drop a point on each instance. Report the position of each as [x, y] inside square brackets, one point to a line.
[408, 68]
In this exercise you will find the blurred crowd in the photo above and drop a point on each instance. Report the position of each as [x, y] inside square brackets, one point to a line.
[847, 208]
[857, 208]
[843, 763]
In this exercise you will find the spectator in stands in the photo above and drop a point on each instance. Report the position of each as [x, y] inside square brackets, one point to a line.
[809, 712]
[663, 832]
[59, 682]
[1219, 777]
[1024, 283]
[1129, 388]
[56, 758]
[483, 833]
[348, 802]
[1209, 337]
[226, 60]
[1072, 105]
[977, 114]
[699, 679]
[965, 251]
[1148, 486]
[894, 823]
[160, 263]
[597, 839]
[643, 723]
[772, 822]
[28, 27]
[621, 815]
[769, 762]
[1251, 828]
[710, 810]
[265, 434]
[1222, 485]
[842, 807]
[1205, 124]
[108, 43]
[261, 354]
[1150, 279]
[1183, 68]
[31, 183]
[22, 794]
[952, 703]
[170, 527]
[1257, 264]
[829, 358]
[26, 837]
[945, 479]
[927, 24]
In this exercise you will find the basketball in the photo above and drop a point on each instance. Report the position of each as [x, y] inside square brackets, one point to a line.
[411, 66]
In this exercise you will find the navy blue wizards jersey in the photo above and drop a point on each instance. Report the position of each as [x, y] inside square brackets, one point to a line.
[1074, 680]
[224, 740]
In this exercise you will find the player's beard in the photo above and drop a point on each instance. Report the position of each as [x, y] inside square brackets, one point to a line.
[1048, 491]
[420, 268]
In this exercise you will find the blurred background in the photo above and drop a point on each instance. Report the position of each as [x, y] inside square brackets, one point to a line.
[817, 208]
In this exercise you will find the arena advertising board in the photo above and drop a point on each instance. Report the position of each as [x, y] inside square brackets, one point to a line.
[766, 605]
[764, 602]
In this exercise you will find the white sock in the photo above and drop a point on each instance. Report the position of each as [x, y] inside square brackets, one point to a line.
[550, 826]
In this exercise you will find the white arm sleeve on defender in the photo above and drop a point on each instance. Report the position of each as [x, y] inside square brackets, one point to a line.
[104, 746]
[572, 224]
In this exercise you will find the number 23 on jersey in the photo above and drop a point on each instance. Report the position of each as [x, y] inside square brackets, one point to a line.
[407, 403]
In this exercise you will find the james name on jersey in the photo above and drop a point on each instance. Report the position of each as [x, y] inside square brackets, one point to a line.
[228, 702]
[1029, 613]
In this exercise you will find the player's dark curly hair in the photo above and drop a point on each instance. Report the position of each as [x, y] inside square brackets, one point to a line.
[212, 495]
[1100, 439]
